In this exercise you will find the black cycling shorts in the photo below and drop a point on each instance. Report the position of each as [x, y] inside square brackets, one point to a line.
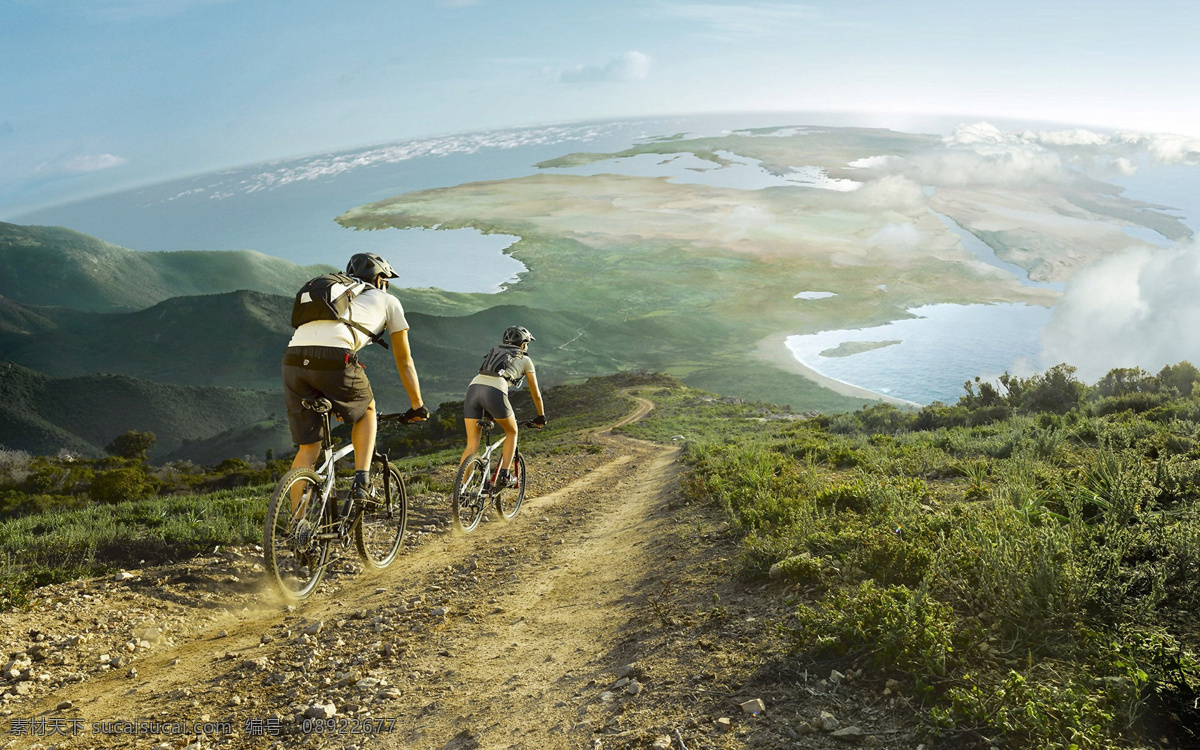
[482, 398]
[315, 371]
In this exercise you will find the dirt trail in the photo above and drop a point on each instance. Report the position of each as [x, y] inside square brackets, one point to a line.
[498, 638]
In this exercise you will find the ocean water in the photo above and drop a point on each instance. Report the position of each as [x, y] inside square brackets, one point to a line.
[941, 347]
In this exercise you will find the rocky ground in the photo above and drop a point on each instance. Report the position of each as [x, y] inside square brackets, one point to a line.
[603, 616]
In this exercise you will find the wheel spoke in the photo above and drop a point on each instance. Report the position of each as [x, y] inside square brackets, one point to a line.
[379, 530]
[295, 556]
[508, 501]
[467, 503]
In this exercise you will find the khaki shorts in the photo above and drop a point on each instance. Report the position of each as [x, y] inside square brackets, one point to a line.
[315, 371]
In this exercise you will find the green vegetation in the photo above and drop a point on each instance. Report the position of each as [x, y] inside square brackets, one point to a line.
[1026, 561]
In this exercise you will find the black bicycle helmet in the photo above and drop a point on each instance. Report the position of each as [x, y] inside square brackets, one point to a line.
[517, 335]
[366, 266]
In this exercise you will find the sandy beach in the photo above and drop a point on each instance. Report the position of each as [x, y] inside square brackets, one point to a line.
[774, 351]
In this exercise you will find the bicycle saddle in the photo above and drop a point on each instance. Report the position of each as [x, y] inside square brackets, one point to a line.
[319, 405]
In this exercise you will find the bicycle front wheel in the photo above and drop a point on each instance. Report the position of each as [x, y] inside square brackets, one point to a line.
[466, 507]
[294, 554]
[379, 531]
[509, 499]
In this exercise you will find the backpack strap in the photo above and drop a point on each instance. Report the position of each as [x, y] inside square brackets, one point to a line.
[374, 337]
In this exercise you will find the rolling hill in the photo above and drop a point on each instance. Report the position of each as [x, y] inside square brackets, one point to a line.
[43, 415]
[62, 267]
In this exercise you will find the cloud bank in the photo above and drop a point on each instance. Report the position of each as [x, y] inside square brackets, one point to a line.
[630, 66]
[1137, 309]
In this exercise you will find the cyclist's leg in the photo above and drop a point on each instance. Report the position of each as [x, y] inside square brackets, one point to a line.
[509, 424]
[472, 428]
[306, 456]
[362, 437]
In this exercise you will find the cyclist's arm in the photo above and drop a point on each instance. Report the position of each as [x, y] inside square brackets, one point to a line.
[534, 392]
[407, 368]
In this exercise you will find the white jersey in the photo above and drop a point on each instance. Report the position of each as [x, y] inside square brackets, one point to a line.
[374, 310]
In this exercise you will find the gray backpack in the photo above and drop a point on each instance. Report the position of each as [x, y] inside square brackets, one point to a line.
[501, 361]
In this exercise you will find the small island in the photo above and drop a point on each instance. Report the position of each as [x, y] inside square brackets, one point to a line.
[850, 348]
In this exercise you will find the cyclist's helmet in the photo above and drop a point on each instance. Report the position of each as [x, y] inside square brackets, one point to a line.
[517, 335]
[366, 266]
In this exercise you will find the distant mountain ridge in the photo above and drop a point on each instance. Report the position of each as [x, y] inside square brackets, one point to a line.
[237, 340]
[61, 267]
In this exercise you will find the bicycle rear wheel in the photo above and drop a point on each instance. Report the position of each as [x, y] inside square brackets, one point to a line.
[294, 555]
[466, 506]
[379, 530]
[508, 500]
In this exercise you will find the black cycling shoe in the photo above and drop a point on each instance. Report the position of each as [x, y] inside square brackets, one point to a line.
[356, 497]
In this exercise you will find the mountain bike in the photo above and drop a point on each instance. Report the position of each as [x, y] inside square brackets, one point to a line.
[475, 484]
[311, 512]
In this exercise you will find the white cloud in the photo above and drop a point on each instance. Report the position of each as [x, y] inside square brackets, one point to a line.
[896, 237]
[1084, 148]
[80, 164]
[890, 193]
[740, 21]
[630, 66]
[971, 134]
[1123, 166]
[1076, 137]
[1137, 309]
[872, 162]
[1167, 148]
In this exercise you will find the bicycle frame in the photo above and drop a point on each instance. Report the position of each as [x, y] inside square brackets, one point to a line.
[325, 470]
[487, 453]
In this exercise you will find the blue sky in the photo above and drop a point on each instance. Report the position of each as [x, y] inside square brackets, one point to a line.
[101, 94]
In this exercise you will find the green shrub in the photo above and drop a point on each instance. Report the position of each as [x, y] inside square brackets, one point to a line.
[801, 568]
[119, 485]
[894, 628]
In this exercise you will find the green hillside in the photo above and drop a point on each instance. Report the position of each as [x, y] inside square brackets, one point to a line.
[42, 415]
[175, 332]
[237, 339]
[62, 267]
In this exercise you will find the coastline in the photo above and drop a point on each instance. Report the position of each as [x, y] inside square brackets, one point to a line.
[773, 350]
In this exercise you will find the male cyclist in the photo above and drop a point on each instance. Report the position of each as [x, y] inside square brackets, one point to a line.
[503, 366]
[322, 360]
